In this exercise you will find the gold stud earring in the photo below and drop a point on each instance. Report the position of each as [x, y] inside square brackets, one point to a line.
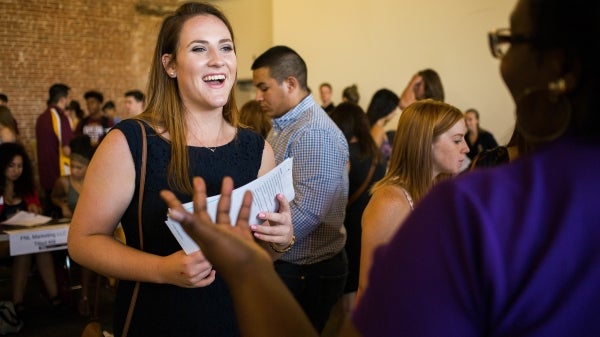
[558, 87]
[549, 104]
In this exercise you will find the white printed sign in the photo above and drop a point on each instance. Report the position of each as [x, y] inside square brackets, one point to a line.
[37, 239]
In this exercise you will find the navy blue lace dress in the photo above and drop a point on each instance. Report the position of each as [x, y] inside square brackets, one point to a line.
[167, 310]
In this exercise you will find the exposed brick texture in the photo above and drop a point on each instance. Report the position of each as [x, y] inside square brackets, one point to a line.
[87, 44]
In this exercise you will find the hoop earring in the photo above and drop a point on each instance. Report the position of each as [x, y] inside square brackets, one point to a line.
[544, 114]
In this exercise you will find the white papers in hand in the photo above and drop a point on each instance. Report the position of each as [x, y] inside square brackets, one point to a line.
[264, 190]
[22, 218]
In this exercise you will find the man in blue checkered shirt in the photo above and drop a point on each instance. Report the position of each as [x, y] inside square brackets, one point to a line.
[315, 267]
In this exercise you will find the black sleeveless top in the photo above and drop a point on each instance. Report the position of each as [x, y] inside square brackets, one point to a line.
[10, 210]
[168, 310]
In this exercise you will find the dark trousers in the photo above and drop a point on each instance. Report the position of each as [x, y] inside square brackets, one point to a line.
[317, 287]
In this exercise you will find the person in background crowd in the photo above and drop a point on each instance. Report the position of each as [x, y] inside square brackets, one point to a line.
[315, 268]
[53, 134]
[65, 195]
[75, 114]
[191, 123]
[382, 108]
[8, 128]
[135, 101]
[18, 193]
[503, 154]
[367, 166]
[95, 124]
[325, 92]
[429, 147]
[4, 102]
[252, 116]
[109, 109]
[350, 94]
[424, 84]
[67, 188]
[477, 138]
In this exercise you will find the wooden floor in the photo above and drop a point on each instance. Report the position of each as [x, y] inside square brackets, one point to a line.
[43, 320]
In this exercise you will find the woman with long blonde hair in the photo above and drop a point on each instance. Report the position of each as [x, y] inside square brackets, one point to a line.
[429, 145]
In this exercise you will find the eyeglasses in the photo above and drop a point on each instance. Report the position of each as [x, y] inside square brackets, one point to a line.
[501, 39]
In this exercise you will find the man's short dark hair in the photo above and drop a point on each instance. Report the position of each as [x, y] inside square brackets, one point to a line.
[138, 95]
[109, 105]
[283, 62]
[94, 94]
[57, 91]
[3, 97]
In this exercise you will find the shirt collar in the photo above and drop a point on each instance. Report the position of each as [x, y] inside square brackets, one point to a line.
[55, 107]
[291, 116]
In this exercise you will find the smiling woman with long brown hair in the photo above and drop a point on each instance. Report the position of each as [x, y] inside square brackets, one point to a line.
[191, 123]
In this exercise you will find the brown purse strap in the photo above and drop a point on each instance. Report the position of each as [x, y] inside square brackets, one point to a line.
[364, 185]
[136, 289]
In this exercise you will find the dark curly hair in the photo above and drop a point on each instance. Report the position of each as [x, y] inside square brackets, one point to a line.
[24, 184]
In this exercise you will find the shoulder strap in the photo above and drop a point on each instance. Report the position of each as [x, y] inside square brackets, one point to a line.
[142, 182]
[364, 185]
[408, 198]
[136, 289]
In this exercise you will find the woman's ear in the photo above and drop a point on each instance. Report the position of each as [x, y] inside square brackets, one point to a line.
[566, 71]
[169, 65]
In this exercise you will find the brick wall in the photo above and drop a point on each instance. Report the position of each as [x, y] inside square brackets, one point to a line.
[87, 44]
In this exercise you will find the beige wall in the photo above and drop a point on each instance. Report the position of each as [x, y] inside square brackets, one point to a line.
[253, 28]
[382, 43]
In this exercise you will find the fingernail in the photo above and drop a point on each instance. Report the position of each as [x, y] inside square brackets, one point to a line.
[253, 227]
[262, 216]
[176, 215]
